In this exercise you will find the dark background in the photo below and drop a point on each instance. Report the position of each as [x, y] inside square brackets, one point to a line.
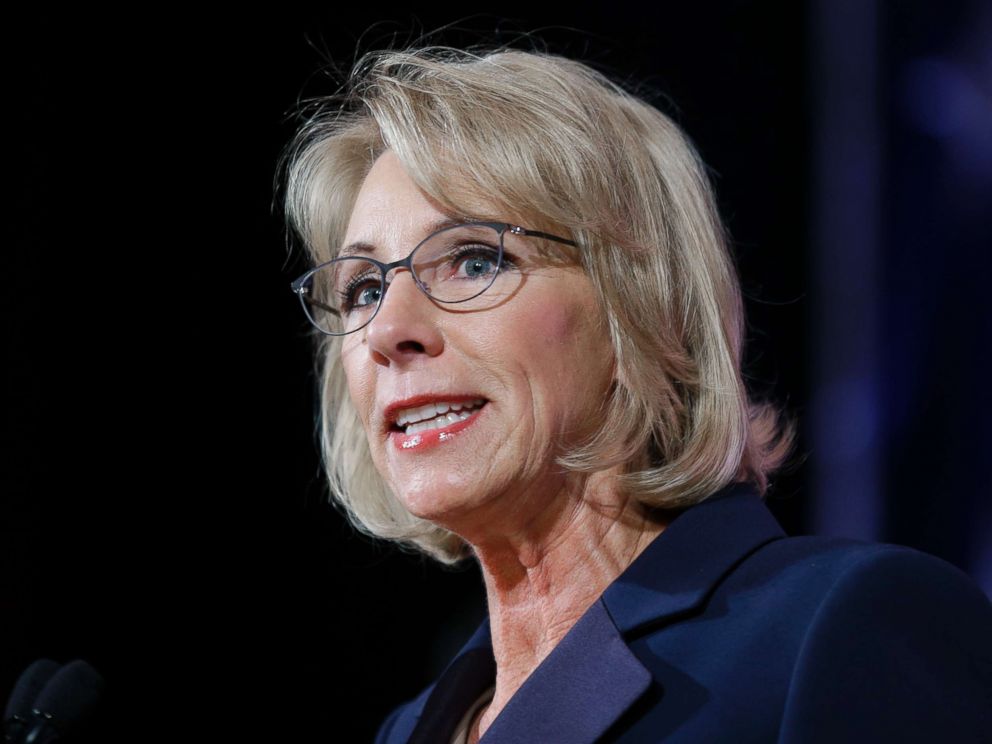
[162, 504]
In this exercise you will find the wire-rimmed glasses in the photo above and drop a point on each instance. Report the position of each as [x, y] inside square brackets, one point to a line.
[455, 264]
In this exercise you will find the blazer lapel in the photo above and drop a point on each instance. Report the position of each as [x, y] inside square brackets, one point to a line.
[472, 671]
[591, 677]
[578, 691]
[676, 573]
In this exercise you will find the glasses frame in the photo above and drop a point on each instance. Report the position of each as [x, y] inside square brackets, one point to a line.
[300, 289]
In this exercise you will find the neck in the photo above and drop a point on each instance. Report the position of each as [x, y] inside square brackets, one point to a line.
[543, 577]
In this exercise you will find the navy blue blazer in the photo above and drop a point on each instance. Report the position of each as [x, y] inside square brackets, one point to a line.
[726, 630]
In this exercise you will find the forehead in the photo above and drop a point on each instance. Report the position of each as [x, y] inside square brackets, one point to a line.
[392, 213]
[390, 203]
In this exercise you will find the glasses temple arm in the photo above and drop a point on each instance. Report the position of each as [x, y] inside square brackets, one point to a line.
[321, 305]
[549, 236]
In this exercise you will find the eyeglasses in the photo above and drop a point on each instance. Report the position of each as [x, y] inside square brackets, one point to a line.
[455, 264]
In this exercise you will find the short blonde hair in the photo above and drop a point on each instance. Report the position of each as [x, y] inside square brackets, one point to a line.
[548, 141]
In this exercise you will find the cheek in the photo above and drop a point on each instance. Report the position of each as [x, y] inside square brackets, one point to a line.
[553, 320]
[361, 386]
[556, 324]
[571, 332]
[569, 353]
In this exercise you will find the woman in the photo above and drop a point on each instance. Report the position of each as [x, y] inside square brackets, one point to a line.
[531, 334]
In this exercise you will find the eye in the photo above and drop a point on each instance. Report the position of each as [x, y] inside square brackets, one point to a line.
[474, 262]
[367, 294]
[361, 291]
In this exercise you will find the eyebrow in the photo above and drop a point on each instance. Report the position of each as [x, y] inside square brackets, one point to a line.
[361, 246]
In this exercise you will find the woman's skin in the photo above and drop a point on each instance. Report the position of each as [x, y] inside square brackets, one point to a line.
[548, 542]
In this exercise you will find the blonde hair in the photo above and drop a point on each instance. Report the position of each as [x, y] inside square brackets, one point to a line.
[549, 141]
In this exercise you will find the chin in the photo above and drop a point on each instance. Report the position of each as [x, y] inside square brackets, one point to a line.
[443, 508]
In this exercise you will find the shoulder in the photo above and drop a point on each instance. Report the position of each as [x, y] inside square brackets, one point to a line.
[832, 572]
[871, 572]
[898, 645]
[864, 588]
[852, 594]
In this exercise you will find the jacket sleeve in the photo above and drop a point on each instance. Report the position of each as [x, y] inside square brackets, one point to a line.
[899, 650]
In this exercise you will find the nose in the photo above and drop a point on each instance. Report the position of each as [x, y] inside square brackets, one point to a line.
[405, 328]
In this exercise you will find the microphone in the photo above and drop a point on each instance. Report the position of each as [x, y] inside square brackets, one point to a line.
[67, 697]
[17, 714]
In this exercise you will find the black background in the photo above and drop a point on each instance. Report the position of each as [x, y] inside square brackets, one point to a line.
[163, 511]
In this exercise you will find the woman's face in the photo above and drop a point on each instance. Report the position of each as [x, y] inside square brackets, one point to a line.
[539, 360]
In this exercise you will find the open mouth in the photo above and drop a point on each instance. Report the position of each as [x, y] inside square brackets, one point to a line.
[434, 422]
[435, 415]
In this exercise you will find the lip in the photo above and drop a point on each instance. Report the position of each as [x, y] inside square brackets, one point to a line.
[422, 440]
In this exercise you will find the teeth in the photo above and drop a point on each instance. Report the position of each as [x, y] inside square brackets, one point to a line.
[429, 411]
[437, 423]
[441, 419]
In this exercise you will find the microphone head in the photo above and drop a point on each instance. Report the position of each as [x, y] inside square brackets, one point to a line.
[29, 685]
[70, 694]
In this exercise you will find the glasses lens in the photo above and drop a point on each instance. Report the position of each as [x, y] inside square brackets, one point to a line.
[459, 263]
[343, 296]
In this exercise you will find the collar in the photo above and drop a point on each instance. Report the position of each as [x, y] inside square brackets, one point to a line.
[591, 677]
